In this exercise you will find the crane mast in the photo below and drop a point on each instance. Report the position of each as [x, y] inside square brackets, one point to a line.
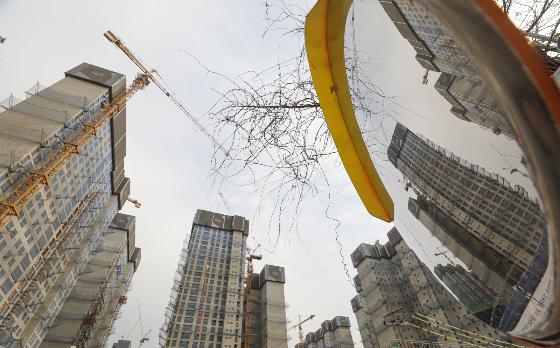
[226, 204]
[298, 325]
[158, 81]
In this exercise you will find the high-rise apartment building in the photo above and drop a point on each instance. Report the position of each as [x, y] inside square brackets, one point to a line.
[64, 272]
[392, 278]
[268, 309]
[122, 344]
[472, 101]
[437, 50]
[502, 220]
[206, 306]
[482, 261]
[107, 275]
[496, 230]
[333, 333]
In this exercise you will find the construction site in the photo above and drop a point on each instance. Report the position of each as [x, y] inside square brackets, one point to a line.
[315, 154]
[68, 255]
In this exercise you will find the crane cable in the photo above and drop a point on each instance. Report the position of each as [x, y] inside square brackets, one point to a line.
[456, 333]
[490, 338]
[472, 344]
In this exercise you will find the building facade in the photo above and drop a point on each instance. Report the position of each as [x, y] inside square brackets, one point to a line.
[472, 101]
[48, 249]
[268, 309]
[437, 50]
[502, 219]
[392, 279]
[495, 229]
[206, 305]
[474, 294]
[333, 333]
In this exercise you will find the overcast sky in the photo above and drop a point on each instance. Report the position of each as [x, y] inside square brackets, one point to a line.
[169, 167]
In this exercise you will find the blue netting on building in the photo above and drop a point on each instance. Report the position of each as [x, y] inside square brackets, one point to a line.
[527, 285]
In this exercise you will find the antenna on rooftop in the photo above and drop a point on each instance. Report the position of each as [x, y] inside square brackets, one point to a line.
[2, 39]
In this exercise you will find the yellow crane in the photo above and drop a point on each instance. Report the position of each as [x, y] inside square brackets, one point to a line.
[135, 202]
[298, 325]
[425, 78]
[158, 81]
[35, 181]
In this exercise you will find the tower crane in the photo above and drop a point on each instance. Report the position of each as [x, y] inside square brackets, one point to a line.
[444, 253]
[154, 76]
[425, 78]
[298, 325]
[225, 203]
[135, 202]
[143, 338]
[249, 279]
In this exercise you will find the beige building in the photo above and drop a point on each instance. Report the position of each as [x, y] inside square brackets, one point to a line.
[472, 101]
[391, 277]
[333, 333]
[206, 304]
[268, 307]
[53, 275]
[498, 223]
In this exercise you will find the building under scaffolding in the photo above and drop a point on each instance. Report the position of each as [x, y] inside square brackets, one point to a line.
[474, 294]
[333, 333]
[494, 228]
[64, 272]
[502, 219]
[205, 308]
[392, 279]
[437, 50]
[268, 309]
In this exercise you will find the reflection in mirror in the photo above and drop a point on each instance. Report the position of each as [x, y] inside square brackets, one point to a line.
[472, 202]
[491, 226]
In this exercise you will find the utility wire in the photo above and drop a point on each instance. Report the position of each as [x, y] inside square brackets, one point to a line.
[470, 332]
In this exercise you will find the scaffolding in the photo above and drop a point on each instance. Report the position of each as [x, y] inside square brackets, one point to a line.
[174, 289]
[97, 309]
[47, 260]
[22, 194]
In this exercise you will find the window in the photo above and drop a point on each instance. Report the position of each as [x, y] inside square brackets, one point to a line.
[6, 286]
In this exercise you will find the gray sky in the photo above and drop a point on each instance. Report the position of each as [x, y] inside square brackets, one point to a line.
[169, 167]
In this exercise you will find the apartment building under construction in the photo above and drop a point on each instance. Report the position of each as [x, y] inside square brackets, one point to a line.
[268, 309]
[506, 227]
[401, 303]
[206, 305]
[64, 270]
[334, 333]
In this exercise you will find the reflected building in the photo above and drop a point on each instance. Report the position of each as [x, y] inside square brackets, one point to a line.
[493, 228]
[392, 277]
[472, 292]
[333, 333]
[206, 305]
[437, 50]
[268, 309]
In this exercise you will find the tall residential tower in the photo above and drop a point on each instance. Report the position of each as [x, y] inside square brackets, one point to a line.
[496, 230]
[392, 279]
[206, 305]
[64, 271]
[268, 309]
